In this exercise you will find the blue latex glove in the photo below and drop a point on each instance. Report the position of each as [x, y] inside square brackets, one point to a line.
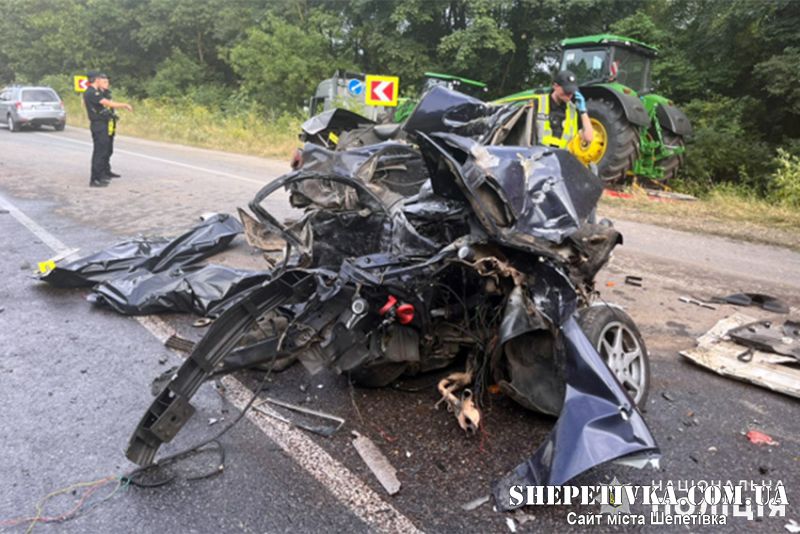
[580, 102]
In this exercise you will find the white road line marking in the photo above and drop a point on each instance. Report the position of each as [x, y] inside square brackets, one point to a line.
[343, 485]
[340, 481]
[47, 238]
[162, 160]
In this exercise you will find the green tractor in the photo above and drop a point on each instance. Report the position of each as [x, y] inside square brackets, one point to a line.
[637, 132]
[432, 79]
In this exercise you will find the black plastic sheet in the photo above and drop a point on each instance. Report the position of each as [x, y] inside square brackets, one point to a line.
[197, 289]
[151, 254]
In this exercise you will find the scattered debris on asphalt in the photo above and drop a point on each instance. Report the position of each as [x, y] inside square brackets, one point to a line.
[765, 302]
[759, 438]
[160, 382]
[475, 503]
[179, 343]
[690, 300]
[716, 351]
[377, 463]
[463, 407]
[523, 518]
[202, 322]
[764, 335]
[667, 396]
[634, 280]
[326, 431]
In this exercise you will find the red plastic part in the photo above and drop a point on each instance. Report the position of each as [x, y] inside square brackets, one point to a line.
[405, 313]
[390, 302]
[759, 438]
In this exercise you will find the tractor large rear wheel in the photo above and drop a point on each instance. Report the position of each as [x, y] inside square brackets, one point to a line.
[673, 164]
[619, 139]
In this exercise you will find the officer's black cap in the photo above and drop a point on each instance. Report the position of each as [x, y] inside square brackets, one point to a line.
[567, 80]
[93, 75]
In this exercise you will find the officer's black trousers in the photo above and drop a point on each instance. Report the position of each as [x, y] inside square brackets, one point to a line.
[101, 152]
[110, 153]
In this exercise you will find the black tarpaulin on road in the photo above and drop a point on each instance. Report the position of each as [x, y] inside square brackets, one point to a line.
[211, 236]
[144, 276]
[198, 289]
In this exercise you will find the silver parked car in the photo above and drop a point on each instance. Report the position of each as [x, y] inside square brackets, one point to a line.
[22, 105]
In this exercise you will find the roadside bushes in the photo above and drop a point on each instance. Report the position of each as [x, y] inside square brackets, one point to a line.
[724, 149]
[785, 183]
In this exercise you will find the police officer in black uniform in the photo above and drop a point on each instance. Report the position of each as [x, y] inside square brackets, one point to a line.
[99, 109]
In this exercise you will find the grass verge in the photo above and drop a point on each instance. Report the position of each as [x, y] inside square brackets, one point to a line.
[191, 124]
[722, 212]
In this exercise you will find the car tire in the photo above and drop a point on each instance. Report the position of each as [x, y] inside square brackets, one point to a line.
[60, 126]
[618, 341]
[13, 126]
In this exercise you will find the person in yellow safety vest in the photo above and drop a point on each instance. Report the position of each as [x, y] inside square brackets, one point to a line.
[557, 115]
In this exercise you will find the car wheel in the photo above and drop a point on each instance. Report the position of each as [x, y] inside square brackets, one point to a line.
[60, 126]
[618, 341]
[12, 124]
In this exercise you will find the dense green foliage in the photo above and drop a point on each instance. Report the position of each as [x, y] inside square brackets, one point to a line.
[734, 65]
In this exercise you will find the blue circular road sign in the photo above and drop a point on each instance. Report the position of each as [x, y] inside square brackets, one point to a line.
[355, 87]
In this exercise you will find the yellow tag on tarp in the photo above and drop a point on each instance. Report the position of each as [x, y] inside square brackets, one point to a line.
[46, 266]
[333, 138]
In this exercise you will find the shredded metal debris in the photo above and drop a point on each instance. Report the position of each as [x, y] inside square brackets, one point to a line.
[717, 351]
[377, 463]
[450, 241]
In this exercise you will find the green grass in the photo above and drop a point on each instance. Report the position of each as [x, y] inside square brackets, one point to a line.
[723, 211]
[191, 124]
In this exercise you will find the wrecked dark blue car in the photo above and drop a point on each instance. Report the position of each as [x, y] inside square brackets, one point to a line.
[455, 242]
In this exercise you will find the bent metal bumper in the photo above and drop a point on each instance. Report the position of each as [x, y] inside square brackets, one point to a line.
[171, 408]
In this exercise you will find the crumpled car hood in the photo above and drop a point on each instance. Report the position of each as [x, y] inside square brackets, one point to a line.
[597, 424]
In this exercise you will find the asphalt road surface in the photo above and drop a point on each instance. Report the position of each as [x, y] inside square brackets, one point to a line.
[75, 379]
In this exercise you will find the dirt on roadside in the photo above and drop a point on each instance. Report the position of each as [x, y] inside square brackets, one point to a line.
[759, 224]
